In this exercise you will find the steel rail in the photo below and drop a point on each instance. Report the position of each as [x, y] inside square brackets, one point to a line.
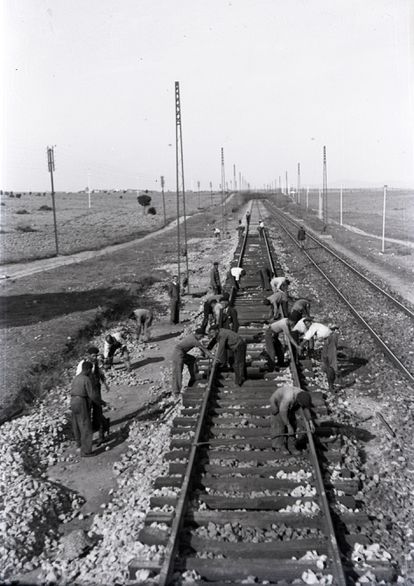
[401, 306]
[323, 499]
[376, 337]
[181, 508]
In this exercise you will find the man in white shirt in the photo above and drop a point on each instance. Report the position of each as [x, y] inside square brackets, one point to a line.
[277, 282]
[113, 343]
[236, 273]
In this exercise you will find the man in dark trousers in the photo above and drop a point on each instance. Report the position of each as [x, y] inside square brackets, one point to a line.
[329, 359]
[301, 237]
[265, 276]
[283, 404]
[228, 315]
[300, 309]
[181, 356]
[248, 218]
[215, 282]
[100, 423]
[240, 230]
[174, 295]
[230, 341]
[208, 312]
[274, 347]
[82, 395]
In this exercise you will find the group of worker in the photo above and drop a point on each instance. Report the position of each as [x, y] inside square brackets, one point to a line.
[221, 320]
[86, 399]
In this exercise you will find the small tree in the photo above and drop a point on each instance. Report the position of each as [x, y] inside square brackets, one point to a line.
[144, 200]
[152, 211]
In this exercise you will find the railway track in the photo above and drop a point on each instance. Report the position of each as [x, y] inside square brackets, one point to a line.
[231, 508]
[370, 304]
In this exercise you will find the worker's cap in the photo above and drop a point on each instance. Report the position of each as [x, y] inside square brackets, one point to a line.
[93, 350]
[175, 277]
[216, 262]
[303, 399]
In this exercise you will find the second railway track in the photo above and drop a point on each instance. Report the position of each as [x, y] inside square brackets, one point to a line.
[232, 508]
[372, 305]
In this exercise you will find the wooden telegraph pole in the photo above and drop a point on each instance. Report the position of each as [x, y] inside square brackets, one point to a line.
[51, 167]
[211, 192]
[163, 199]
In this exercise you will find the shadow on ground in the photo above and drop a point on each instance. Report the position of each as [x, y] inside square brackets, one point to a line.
[149, 360]
[27, 309]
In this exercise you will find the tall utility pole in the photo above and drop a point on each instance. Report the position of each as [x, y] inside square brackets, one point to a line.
[325, 190]
[51, 167]
[198, 189]
[240, 183]
[163, 199]
[211, 192]
[180, 180]
[234, 178]
[287, 184]
[384, 203]
[89, 189]
[298, 193]
[223, 187]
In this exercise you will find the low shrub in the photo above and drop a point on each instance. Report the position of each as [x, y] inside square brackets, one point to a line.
[25, 228]
[45, 208]
[21, 212]
[152, 211]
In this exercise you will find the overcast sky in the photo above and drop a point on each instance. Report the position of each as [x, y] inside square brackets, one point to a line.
[271, 81]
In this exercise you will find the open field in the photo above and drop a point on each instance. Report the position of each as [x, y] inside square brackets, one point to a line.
[46, 318]
[398, 258]
[362, 208]
[27, 232]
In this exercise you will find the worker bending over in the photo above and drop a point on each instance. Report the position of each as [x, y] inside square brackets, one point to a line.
[274, 347]
[143, 319]
[231, 347]
[278, 303]
[284, 403]
[279, 282]
[181, 356]
[113, 343]
[299, 310]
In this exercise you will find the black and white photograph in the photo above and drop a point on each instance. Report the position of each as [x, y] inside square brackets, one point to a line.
[207, 292]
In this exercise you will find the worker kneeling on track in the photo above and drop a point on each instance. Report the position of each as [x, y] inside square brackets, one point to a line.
[113, 343]
[181, 356]
[284, 403]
